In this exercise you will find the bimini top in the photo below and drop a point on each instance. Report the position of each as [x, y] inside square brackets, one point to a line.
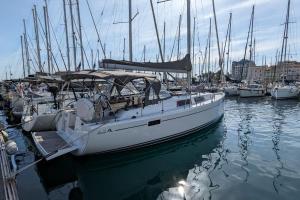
[180, 66]
[106, 75]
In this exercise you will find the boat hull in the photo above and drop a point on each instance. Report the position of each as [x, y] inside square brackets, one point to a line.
[244, 93]
[231, 91]
[121, 136]
[285, 93]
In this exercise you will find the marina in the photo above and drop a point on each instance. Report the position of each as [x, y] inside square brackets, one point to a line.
[244, 156]
[103, 106]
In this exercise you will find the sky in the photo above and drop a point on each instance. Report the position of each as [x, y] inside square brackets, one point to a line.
[111, 17]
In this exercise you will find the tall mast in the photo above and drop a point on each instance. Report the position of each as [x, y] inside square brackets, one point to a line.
[23, 60]
[229, 40]
[287, 29]
[251, 37]
[26, 48]
[144, 53]
[156, 30]
[67, 35]
[285, 39]
[73, 34]
[124, 46]
[80, 34]
[36, 28]
[194, 34]
[130, 29]
[218, 42]
[164, 47]
[189, 78]
[246, 47]
[209, 45]
[47, 39]
[179, 35]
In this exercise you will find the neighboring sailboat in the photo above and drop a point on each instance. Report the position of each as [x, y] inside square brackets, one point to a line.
[250, 89]
[282, 90]
[231, 90]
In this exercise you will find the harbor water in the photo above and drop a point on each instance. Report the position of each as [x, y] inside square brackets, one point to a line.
[252, 153]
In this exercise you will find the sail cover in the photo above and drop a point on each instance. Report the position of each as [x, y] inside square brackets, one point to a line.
[180, 66]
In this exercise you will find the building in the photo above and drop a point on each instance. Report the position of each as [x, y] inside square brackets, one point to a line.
[240, 69]
[265, 74]
[256, 74]
[289, 69]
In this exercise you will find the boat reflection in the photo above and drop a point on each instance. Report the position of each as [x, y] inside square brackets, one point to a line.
[278, 119]
[141, 174]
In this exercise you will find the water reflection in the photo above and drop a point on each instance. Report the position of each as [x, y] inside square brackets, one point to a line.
[141, 174]
[278, 119]
[252, 154]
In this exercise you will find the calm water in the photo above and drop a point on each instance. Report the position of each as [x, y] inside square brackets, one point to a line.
[253, 153]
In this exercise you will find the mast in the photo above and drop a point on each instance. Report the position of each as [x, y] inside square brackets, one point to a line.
[179, 35]
[23, 60]
[164, 47]
[218, 43]
[251, 37]
[130, 29]
[67, 35]
[124, 46]
[229, 41]
[80, 34]
[156, 30]
[26, 48]
[246, 47]
[189, 78]
[96, 29]
[194, 34]
[287, 29]
[209, 45]
[36, 29]
[144, 53]
[73, 34]
[47, 40]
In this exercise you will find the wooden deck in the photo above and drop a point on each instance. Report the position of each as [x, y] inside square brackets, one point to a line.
[50, 141]
[8, 183]
[51, 145]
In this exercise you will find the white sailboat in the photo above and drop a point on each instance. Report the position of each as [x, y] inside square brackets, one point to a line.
[117, 123]
[231, 90]
[120, 116]
[284, 91]
[252, 90]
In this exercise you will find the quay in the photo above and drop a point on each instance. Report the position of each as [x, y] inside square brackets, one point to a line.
[8, 186]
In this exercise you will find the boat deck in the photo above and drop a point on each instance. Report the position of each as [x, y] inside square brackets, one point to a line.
[166, 106]
[51, 145]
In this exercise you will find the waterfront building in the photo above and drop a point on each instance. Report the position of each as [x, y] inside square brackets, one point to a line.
[266, 74]
[240, 69]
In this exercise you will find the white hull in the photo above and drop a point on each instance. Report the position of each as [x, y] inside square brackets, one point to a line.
[142, 131]
[251, 92]
[231, 91]
[285, 92]
[42, 122]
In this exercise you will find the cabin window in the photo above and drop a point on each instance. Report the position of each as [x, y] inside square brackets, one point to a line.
[183, 102]
[153, 123]
[199, 99]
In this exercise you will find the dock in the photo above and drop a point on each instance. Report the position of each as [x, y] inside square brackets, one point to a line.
[8, 190]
